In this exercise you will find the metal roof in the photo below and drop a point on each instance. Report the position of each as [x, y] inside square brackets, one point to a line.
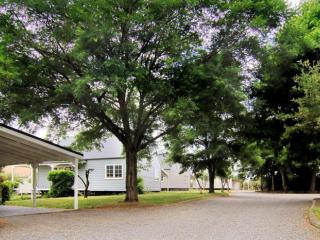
[17, 147]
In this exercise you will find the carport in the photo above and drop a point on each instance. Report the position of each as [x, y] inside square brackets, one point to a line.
[18, 147]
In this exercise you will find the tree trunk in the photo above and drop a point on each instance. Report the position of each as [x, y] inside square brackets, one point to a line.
[272, 183]
[228, 186]
[85, 194]
[283, 179]
[313, 181]
[212, 174]
[200, 186]
[131, 176]
[222, 184]
[86, 183]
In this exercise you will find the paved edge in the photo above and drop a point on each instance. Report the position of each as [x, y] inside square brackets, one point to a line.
[52, 210]
[312, 217]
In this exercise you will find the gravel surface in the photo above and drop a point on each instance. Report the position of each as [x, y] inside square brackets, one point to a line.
[241, 216]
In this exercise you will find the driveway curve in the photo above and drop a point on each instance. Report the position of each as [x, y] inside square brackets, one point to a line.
[241, 216]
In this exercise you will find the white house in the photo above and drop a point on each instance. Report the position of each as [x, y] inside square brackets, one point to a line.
[109, 168]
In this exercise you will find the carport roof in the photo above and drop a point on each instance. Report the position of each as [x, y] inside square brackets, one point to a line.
[17, 147]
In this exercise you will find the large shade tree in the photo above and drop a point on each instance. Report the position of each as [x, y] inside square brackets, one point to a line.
[116, 67]
[275, 93]
[304, 135]
[206, 138]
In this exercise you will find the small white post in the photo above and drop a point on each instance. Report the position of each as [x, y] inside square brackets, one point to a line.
[34, 185]
[75, 186]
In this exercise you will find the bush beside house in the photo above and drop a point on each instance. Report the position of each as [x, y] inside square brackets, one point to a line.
[62, 182]
[140, 185]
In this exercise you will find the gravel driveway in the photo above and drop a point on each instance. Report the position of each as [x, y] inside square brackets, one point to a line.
[241, 216]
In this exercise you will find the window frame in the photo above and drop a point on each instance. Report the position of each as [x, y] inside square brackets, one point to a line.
[113, 171]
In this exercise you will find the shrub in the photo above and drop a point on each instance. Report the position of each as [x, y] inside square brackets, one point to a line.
[5, 193]
[62, 182]
[140, 185]
[6, 188]
[11, 185]
[3, 177]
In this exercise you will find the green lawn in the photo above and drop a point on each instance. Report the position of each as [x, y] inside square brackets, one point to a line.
[317, 212]
[115, 200]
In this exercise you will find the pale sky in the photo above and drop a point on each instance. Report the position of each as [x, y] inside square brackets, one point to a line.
[294, 3]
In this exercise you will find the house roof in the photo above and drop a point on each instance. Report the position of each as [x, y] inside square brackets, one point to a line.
[17, 147]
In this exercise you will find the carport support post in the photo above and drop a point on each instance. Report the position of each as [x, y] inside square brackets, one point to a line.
[75, 186]
[34, 184]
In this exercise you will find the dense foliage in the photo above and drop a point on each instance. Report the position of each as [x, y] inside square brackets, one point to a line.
[225, 81]
[119, 67]
[140, 185]
[6, 188]
[286, 104]
[61, 183]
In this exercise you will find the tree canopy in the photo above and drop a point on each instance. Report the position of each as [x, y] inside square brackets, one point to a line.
[281, 99]
[128, 68]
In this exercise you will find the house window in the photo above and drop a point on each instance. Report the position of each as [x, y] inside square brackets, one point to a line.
[118, 171]
[109, 171]
[114, 171]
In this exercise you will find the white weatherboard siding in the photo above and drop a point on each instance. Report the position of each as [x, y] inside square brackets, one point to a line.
[151, 175]
[172, 178]
[43, 182]
[111, 153]
[82, 174]
[98, 181]
[217, 183]
[97, 177]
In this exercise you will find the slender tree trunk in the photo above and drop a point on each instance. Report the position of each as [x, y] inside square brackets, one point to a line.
[85, 194]
[228, 186]
[200, 186]
[212, 176]
[272, 183]
[313, 181]
[222, 185]
[86, 183]
[283, 179]
[131, 176]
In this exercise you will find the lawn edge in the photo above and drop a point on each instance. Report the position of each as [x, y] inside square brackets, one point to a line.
[146, 205]
[123, 204]
[312, 216]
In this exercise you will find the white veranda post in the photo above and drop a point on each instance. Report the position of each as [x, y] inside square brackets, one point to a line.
[75, 186]
[34, 185]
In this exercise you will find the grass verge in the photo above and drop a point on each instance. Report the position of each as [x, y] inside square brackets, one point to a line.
[316, 211]
[116, 200]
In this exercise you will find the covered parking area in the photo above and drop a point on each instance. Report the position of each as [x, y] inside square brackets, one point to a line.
[18, 147]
